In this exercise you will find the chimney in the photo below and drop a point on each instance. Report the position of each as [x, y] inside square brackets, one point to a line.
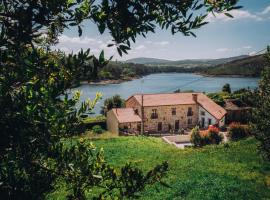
[195, 97]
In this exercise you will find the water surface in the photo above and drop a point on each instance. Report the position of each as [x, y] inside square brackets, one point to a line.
[164, 83]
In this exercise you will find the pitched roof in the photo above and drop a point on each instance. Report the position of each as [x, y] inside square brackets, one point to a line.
[165, 99]
[181, 99]
[210, 106]
[126, 115]
[234, 104]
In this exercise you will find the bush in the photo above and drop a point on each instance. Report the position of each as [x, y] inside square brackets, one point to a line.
[195, 137]
[97, 129]
[210, 136]
[238, 131]
[214, 136]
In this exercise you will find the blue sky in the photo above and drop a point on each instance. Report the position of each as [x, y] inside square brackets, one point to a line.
[246, 33]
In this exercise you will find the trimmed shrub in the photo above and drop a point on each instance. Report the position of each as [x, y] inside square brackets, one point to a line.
[238, 131]
[97, 129]
[202, 138]
[195, 137]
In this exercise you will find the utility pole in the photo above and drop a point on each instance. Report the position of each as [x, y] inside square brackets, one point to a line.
[142, 111]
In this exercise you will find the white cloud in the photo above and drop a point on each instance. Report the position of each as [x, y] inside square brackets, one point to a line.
[74, 44]
[265, 11]
[140, 47]
[223, 49]
[162, 43]
[237, 15]
[76, 40]
[247, 47]
[240, 49]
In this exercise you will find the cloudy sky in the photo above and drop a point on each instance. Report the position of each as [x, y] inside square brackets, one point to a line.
[246, 33]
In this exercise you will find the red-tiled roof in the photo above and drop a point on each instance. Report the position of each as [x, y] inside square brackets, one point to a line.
[165, 99]
[126, 115]
[181, 99]
[208, 104]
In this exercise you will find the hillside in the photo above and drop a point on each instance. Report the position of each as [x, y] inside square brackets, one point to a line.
[144, 60]
[188, 63]
[234, 171]
[250, 66]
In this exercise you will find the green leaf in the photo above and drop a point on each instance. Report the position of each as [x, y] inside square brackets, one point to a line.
[228, 15]
[80, 31]
[101, 56]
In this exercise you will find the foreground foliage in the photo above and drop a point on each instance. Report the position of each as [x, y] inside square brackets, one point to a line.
[36, 111]
[261, 113]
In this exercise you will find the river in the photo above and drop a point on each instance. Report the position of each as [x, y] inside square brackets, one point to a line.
[164, 83]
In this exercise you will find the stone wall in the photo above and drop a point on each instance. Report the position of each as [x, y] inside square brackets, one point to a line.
[168, 120]
[133, 103]
[131, 127]
[112, 122]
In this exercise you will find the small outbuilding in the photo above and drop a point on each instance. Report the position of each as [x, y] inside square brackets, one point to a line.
[237, 111]
[121, 120]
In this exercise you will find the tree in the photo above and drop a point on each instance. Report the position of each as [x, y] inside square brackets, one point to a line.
[113, 102]
[36, 113]
[261, 113]
[227, 88]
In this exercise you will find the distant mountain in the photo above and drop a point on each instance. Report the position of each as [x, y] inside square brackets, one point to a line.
[249, 66]
[189, 63]
[143, 60]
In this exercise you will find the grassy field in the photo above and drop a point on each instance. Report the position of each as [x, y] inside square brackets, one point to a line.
[233, 171]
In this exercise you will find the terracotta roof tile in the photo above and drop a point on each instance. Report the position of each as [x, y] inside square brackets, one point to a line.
[208, 104]
[165, 99]
[126, 115]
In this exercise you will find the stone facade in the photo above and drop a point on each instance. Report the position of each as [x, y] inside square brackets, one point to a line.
[168, 118]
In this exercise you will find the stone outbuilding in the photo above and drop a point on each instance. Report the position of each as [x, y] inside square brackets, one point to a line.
[123, 119]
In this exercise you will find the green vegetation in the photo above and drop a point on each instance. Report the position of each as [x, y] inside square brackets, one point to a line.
[96, 119]
[37, 113]
[227, 88]
[261, 115]
[245, 95]
[190, 63]
[250, 66]
[238, 131]
[231, 171]
[113, 102]
[97, 129]
[127, 71]
[105, 135]
[202, 138]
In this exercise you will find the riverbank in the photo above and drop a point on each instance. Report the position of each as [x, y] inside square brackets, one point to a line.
[227, 75]
[110, 81]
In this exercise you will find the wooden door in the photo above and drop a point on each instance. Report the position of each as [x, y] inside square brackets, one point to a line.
[159, 126]
[176, 125]
[203, 121]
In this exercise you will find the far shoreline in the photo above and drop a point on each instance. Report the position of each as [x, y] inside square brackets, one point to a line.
[118, 81]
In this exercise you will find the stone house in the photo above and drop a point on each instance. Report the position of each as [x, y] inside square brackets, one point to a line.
[165, 113]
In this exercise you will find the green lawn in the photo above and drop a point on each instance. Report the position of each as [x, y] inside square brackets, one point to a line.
[213, 172]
